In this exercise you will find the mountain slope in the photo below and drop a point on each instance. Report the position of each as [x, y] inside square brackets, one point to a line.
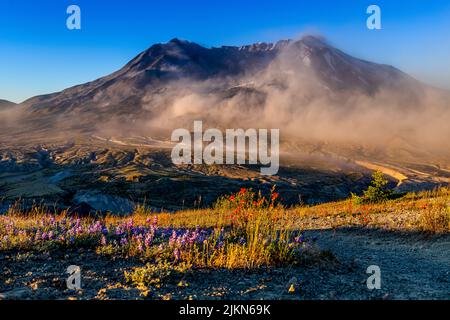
[4, 104]
[315, 92]
[155, 68]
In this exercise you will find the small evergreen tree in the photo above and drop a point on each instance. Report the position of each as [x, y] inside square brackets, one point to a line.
[376, 192]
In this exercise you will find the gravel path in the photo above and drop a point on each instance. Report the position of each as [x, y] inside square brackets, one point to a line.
[412, 266]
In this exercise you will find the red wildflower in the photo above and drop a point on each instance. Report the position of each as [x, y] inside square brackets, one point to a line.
[275, 195]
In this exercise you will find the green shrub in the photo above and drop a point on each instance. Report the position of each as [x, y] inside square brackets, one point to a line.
[376, 192]
[153, 275]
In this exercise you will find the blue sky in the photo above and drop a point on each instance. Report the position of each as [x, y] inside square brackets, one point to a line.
[38, 54]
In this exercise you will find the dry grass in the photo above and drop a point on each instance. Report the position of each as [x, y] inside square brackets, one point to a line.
[423, 211]
[436, 219]
[242, 231]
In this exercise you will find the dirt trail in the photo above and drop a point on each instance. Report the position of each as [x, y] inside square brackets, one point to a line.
[412, 266]
[392, 172]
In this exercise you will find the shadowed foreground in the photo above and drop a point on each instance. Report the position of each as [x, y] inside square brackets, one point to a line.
[319, 252]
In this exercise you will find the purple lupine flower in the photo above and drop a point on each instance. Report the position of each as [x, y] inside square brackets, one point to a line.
[95, 228]
[173, 238]
[119, 231]
[103, 241]
[123, 241]
[6, 240]
[129, 224]
[192, 238]
[148, 239]
[140, 246]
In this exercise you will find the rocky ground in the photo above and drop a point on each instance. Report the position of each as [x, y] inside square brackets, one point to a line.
[413, 266]
[104, 176]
